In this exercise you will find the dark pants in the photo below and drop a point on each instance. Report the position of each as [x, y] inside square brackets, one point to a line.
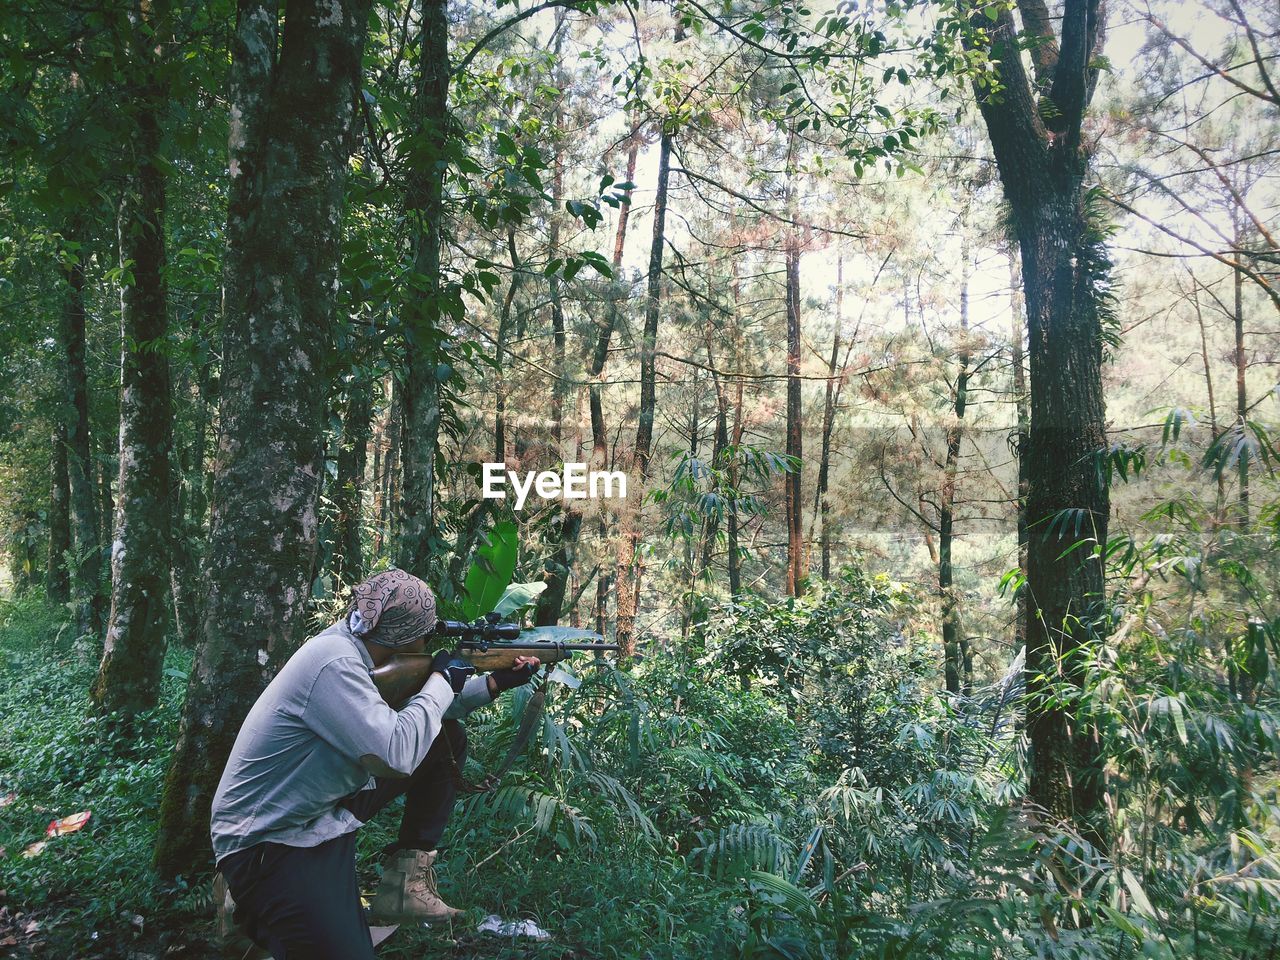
[303, 903]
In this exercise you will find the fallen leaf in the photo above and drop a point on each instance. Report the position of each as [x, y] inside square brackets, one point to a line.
[70, 824]
[33, 850]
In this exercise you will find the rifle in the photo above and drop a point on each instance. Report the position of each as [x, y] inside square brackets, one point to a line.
[487, 644]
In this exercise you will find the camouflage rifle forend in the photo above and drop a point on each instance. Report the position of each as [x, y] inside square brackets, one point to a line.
[487, 644]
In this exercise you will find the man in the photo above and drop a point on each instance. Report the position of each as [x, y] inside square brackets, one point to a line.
[320, 753]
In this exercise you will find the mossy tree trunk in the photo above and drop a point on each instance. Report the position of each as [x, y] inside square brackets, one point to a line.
[128, 678]
[292, 110]
[417, 537]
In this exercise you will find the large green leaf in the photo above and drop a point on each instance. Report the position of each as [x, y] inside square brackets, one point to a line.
[517, 596]
[490, 572]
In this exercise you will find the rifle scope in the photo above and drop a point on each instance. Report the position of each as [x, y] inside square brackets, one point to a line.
[486, 629]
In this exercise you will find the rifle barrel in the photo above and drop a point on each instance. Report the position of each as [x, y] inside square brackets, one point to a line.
[535, 644]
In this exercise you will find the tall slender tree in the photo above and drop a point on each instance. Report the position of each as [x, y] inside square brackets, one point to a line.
[959, 660]
[628, 574]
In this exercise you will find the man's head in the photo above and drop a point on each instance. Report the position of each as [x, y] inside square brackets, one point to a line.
[392, 609]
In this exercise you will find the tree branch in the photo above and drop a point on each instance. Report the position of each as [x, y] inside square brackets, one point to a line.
[501, 28]
[1044, 53]
[1253, 275]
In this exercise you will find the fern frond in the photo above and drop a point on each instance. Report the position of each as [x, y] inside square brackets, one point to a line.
[741, 847]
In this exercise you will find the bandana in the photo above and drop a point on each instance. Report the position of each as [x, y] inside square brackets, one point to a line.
[392, 609]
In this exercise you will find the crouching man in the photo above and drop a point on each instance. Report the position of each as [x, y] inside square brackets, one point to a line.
[320, 753]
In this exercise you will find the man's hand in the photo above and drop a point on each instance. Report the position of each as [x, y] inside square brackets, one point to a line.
[515, 676]
[454, 669]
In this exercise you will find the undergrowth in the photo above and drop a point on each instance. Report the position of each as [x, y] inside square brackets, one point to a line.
[787, 785]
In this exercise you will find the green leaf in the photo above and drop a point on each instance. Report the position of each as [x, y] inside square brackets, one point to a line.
[506, 146]
[1140, 902]
[517, 596]
[491, 571]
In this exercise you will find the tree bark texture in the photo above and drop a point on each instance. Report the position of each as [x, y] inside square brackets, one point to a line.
[1042, 161]
[128, 678]
[417, 538]
[290, 139]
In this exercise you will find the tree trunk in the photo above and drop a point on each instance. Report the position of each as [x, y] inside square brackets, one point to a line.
[128, 678]
[732, 556]
[1042, 161]
[375, 473]
[954, 645]
[348, 494]
[1016, 335]
[390, 480]
[86, 580]
[795, 425]
[500, 349]
[105, 460]
[1242, 393]
[711, 530]
[595, 367]
[191, 502]
[690, 571]
[57, 582]
[828, 422]
[559, 389]
[565, 529]
[629, 570]
[417, 538]
[290, 140]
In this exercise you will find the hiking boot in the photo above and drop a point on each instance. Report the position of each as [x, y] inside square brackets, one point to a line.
[408, 890]
[231, 940]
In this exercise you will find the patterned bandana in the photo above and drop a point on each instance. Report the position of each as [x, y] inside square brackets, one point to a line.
[392, 609]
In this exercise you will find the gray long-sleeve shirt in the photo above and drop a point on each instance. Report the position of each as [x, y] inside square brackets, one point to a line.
[317, 734]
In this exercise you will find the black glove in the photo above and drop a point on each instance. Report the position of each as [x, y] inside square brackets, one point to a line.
[509, 677]
[453, 668]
